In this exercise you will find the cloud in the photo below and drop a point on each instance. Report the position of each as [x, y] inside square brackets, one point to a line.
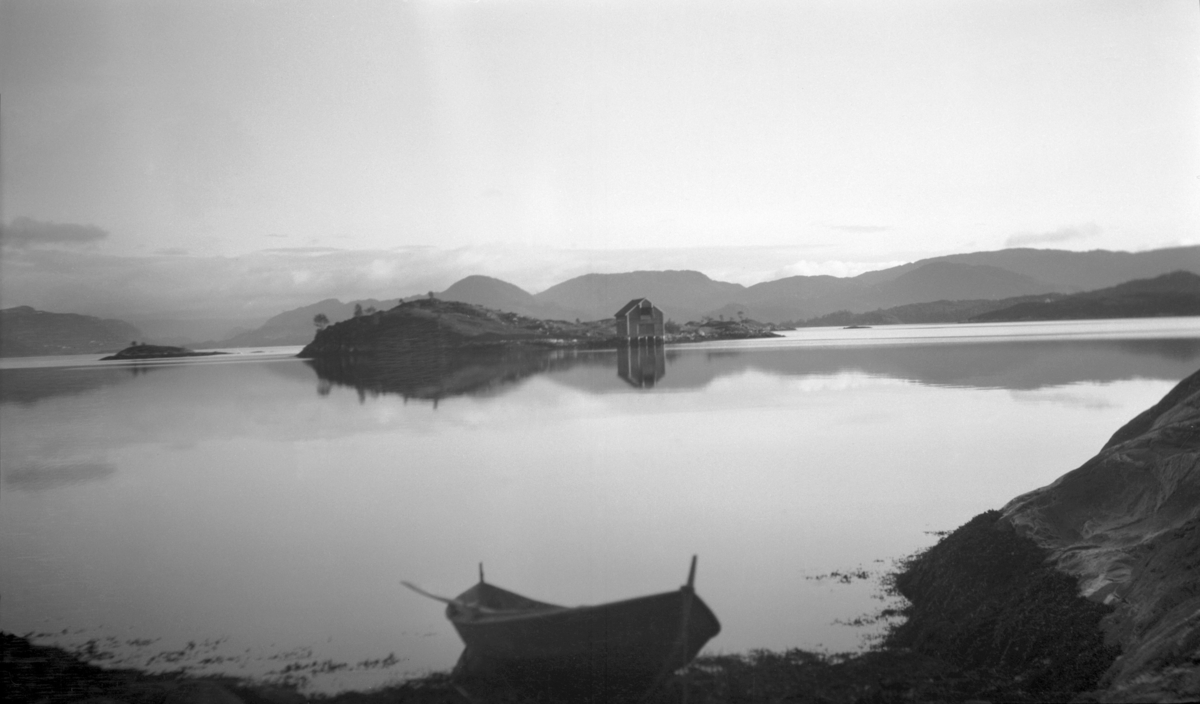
[38, 477]
[837, 268]
[27, 232]
[860, 228]
[304, 250]
[172, 252]
[247, 287]
[1062, 234]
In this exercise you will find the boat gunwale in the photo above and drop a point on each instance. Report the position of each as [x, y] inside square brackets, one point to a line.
[507, 616]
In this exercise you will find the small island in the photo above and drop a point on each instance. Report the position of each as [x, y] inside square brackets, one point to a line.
[144, 351]
[422, 326]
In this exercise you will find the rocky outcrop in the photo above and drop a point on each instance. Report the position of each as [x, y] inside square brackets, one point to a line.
[1126, 525]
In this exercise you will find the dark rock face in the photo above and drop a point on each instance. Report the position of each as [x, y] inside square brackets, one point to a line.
[1126, 525]
[984, 600]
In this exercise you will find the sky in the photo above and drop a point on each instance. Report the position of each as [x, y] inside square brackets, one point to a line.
[235, 156]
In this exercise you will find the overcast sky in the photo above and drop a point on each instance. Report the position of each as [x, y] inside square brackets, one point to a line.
[424, 141]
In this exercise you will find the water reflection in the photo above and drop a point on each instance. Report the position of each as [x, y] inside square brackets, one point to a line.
[641, 365]
[1014, 365]
[1018, 364]
[38, 476]
[30, 386]
[438, 373]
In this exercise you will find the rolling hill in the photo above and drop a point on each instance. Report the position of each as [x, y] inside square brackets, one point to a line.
[1177, 293]
[682, 295]
[26, 332]
[494, 293]
[1173, 294]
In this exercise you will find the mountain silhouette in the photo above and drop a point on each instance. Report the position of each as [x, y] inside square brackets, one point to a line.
[690, 295]
[26, 332]
[1177, 293]
[494, 293]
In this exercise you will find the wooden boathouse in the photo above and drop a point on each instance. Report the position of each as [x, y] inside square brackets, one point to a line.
[640, 320]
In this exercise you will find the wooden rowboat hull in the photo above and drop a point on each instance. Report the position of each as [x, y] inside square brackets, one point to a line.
[632, 640]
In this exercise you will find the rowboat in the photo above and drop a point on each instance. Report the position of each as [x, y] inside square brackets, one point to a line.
[633, 642]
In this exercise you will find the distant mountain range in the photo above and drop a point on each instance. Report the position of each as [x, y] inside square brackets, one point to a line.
[25, 332]
[690, 295]
[956, 287]
[1177, 293]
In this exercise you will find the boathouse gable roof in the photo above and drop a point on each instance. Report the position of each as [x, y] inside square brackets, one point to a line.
[630, 306]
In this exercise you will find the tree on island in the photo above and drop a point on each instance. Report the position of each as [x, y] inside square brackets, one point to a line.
[321, 321]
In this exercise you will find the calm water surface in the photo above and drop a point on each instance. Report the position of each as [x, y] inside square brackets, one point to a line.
[252, 513]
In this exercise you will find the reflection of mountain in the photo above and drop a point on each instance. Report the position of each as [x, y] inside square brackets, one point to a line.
[436, 373]
[1005, 365]
[641, 365]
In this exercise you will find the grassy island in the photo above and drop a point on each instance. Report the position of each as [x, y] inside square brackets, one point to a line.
[420, 325]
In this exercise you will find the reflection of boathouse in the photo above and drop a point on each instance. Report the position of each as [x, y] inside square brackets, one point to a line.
[641, 365]
[640, 319]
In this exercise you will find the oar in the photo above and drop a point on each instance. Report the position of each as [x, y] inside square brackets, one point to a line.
[436, 597]
[454, 602]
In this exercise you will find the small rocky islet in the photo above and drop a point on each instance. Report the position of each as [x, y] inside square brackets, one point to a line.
[144, 351]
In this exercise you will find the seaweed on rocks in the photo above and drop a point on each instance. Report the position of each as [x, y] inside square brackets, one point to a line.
[984, 598]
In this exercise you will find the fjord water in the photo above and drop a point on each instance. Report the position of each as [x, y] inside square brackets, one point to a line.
[255, 513]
